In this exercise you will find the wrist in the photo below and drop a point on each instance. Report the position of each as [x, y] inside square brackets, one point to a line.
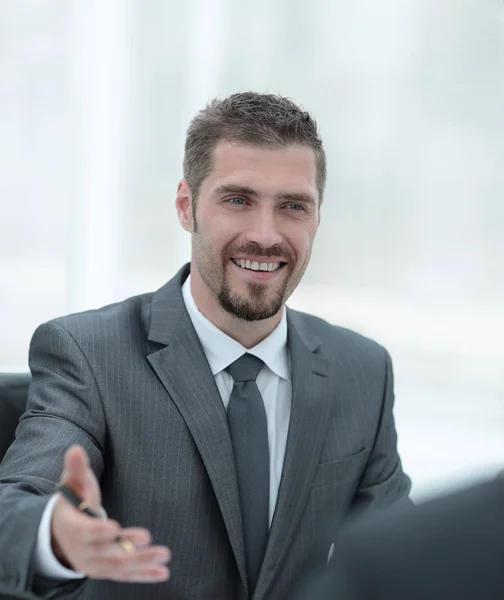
[59, 554]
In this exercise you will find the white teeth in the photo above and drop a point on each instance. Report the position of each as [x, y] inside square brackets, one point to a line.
[256, 266]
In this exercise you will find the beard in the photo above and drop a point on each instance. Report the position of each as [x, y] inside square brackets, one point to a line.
[259, 302]
[256, 307]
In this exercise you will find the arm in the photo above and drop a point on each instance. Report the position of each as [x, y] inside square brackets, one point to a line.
[64, 426]
[383, 481]
[63, 408]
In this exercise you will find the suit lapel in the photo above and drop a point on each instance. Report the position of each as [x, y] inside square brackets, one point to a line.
[183, 369]
[308, 421]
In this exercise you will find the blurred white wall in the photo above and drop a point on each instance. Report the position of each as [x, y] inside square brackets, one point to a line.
[94, 101]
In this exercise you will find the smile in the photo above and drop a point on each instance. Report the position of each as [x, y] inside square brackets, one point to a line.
[257, 266]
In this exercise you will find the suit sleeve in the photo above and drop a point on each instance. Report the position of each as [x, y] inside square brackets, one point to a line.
[63, 408]
[383, 481]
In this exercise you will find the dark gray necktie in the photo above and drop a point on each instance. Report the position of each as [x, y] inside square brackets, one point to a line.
[248, 428]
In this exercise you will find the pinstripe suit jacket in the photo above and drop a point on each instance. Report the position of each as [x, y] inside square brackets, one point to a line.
[130, 382]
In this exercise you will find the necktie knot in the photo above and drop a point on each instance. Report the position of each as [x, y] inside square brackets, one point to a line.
[246, 368]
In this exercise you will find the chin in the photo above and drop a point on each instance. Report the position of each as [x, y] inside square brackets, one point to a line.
[253, 316]
[243, 307]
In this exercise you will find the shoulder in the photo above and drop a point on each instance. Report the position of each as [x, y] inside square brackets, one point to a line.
[113, 320]
[335, 340]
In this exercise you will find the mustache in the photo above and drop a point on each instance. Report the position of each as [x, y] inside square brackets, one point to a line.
[252, 248]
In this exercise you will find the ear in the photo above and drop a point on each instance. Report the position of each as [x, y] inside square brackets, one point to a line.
[183, 204]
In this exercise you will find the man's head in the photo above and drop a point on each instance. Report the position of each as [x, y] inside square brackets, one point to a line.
[254, 177]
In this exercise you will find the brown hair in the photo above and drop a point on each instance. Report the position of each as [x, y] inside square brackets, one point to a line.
[250, 118]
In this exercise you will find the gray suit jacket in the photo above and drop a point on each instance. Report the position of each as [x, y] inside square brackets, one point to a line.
[130, 382]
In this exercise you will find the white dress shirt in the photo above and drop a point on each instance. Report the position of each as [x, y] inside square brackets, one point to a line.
[273, 381]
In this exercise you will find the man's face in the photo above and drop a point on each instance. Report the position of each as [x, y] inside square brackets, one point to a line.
[257, 214]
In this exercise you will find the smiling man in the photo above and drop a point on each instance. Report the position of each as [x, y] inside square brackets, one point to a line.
[208, 423]
[253, 220]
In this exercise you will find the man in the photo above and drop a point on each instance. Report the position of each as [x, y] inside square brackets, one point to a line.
[216, 422]
[449, 548]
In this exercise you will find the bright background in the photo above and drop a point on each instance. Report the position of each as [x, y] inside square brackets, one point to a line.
[95, 98]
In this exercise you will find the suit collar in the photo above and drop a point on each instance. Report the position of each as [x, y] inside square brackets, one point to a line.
[168, 309]
[222, 350]
[296, 321]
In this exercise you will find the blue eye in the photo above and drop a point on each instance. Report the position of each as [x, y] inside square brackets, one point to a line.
[294, 206]
[236, 200]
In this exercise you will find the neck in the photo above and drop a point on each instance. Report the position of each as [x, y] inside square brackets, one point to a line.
[247, 333]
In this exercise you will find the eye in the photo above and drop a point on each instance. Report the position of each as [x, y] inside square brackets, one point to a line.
[236, 200]
[294, 206]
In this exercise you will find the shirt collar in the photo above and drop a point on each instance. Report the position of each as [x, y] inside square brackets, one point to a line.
[222, 350]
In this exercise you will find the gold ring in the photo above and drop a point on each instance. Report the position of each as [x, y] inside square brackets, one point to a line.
[127, 545]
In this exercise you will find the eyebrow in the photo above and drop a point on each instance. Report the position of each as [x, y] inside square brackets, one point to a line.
[236, 189]
[247, 191]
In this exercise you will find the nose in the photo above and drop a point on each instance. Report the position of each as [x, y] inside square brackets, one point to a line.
[263, 228]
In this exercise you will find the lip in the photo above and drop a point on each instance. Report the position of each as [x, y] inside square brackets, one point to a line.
[258, 275]
[265, 259]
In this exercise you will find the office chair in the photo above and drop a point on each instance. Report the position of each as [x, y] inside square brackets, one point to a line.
[13, 394]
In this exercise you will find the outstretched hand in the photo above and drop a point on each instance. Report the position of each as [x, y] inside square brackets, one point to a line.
[89, 545]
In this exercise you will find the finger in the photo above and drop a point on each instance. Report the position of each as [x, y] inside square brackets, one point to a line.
[117, 557]
[159, 555]
[128, 563]
[140, 539]
[148, 575]
[79, 477]
[139, 536]
[100, 535]
[76, 462]
[108, 564]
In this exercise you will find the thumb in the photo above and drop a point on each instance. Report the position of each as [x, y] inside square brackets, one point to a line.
[77, 474]
[76, 463]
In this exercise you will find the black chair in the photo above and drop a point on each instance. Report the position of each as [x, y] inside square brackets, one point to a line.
[13, 394]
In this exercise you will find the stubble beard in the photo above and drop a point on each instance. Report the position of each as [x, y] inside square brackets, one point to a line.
[255, 307]
[251, 306]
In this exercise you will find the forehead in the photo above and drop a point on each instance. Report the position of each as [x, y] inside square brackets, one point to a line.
[289, 168]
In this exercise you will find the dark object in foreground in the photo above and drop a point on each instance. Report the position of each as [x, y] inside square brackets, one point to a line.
[450, 548]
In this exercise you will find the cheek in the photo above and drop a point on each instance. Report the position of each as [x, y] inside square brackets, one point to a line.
[215, 240]
[302, 243]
